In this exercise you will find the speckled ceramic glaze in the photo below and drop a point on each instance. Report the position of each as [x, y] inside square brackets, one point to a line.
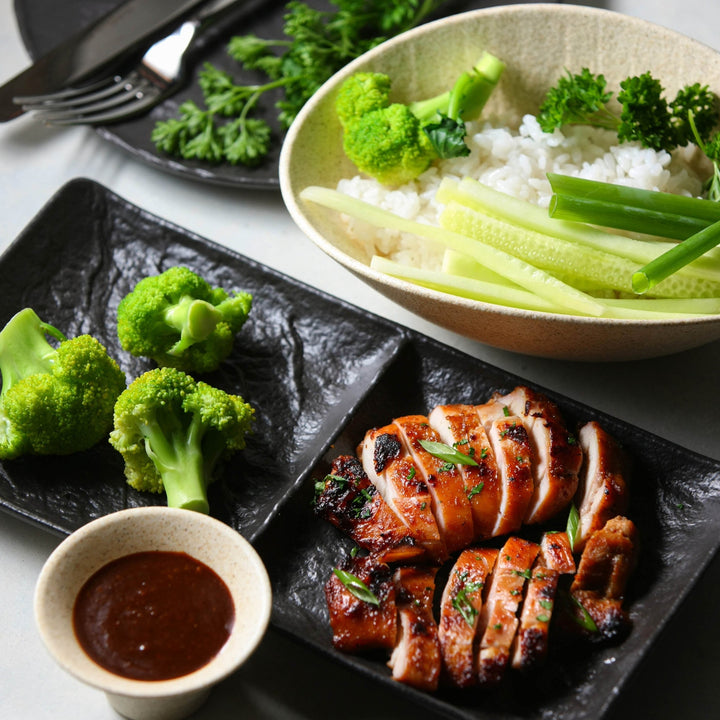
[537, 42]
[136, 530]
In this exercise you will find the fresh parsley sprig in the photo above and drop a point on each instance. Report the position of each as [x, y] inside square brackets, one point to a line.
[314, 46]
[645, 114]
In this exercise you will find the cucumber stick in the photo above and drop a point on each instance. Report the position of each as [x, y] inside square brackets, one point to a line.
[555, 255]
[480, 197]
[510, 267]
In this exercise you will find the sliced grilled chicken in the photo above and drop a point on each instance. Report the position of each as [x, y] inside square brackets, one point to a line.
[444, 481]
[391, 469]
[605, 566]
[460, 608]
[556, 553]
[498, 618]
[557, 457]
[358, 625]
[511, 445]
[348, 500]
[603, 491]
[531, 640]
[416, 660]
[460, 426]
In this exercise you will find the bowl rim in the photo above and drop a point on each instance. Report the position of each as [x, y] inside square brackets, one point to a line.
[291, 197]
[244, 637]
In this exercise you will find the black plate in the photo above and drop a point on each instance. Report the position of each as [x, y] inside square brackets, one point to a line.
[320, 372]
[45, 23]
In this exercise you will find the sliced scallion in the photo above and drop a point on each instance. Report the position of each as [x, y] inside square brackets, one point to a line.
[673, 260]
[356, 587]
[447, 453]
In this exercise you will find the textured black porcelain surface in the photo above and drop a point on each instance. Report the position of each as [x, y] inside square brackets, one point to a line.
[44, 24]
[320, 373]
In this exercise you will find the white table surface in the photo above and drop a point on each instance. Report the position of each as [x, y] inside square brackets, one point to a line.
[675, 397]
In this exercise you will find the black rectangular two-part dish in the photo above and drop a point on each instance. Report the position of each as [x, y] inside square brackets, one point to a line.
[320, 372]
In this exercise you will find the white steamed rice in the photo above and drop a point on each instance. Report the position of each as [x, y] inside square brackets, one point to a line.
[516, 163]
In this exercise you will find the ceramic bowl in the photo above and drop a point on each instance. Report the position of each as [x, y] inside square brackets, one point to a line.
[537, 42]
[137, 530]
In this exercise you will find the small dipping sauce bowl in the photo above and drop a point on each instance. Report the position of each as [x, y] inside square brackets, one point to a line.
[153, 529]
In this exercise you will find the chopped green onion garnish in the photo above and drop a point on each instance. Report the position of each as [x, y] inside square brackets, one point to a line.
[356, 587]
[573, 522]
[447, 453]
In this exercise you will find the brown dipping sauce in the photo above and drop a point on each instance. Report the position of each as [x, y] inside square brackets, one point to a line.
[153, 615]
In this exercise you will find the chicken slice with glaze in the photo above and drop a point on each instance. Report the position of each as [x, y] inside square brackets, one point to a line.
[347, 499]
[557, 457]
[556, 553]
[359, 625]
[415, 660]
[531, 640]
[605, 566]
[460, 608]
[444, 481]
[513, 454]
[391, 469]
[460, 426]
[498, 617]
[603, 491]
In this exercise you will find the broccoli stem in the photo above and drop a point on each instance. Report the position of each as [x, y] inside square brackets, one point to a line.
[195, 320]
[24, 349]
[178, 457]
[468, 95]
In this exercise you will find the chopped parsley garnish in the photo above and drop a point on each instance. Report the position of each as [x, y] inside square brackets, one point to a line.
[462, 603]
[475, 490]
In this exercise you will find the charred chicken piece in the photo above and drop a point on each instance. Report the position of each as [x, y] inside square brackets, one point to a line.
[556, 553]
[460, 608]
[460, 426]
[531, 641]
[415, 660]
[348, 500]
[498, 617]
[450, 504]
[605, 566]
[391, 469]
[557, 457]
[358, 625]
[511, 445]
[603, 491]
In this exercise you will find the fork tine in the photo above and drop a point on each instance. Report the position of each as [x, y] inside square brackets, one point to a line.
[77, 98]
[121, 98]
[81, 116]
[67, 92]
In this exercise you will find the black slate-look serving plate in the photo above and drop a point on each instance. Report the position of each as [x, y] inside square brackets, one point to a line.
[45, 23]
[320, 372]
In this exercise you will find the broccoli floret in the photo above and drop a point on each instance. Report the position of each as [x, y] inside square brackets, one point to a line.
[173, 432]
[54, 400]
[395, 142]
[178, 320]
[362, 93]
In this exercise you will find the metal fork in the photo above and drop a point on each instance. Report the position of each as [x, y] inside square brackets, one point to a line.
[160, 73]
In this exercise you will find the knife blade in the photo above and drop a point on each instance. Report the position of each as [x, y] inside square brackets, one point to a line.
[98, 45]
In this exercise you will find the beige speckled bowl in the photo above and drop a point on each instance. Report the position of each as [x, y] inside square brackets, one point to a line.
[537, 41]
[137, 530]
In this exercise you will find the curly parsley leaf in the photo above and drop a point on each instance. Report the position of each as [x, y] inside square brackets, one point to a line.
[314, 45]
